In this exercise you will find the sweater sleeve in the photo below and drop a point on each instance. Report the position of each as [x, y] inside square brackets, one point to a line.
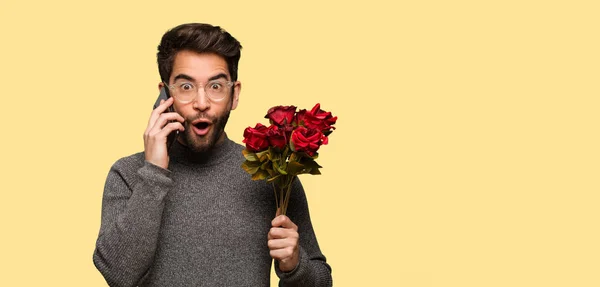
[132, 208]
[312, 268]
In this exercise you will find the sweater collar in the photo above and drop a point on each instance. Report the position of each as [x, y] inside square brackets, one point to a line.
[183, 154]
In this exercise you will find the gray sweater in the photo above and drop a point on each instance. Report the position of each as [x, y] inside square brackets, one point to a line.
[203, 222]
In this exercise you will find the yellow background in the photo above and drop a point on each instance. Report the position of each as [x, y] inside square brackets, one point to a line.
[466, 154]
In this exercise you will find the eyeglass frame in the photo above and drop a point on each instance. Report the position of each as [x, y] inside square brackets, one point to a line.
[228, 84]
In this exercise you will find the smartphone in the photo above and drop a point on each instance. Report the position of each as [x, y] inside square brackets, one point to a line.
[164, 95]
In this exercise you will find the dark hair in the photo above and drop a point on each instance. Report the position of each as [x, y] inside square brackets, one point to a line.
[200, 38]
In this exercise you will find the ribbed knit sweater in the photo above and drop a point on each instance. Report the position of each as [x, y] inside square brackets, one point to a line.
[201, 222]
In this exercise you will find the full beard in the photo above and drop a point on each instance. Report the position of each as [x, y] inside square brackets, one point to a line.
[203, 144]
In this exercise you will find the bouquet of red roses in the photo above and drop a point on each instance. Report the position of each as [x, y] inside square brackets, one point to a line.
[286, 148]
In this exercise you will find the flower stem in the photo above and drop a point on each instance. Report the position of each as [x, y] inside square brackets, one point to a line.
[281, 198]
[276, 200]
[287, 196]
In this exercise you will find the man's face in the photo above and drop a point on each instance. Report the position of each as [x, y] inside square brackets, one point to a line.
[205, 119]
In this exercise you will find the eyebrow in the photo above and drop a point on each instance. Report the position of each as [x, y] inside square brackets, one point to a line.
[191, 79]
[221, 75]
[183, 76]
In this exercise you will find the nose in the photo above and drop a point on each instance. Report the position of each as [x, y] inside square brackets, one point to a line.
[201, 102]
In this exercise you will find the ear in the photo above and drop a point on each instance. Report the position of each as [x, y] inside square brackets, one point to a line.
[237, 88]
[160, 86]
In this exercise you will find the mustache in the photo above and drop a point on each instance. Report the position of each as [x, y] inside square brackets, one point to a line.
[205, 116]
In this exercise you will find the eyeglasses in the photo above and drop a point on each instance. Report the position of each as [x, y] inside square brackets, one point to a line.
[185, 92]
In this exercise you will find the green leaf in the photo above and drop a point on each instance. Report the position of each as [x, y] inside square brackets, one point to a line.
[279, 168]
[315, 171]
[250, 167]
[263, 155]
[249, 155]
[310, 163]
[273, 154]
[260, 175]
[312, 166]
[295, 167]
[265, 165]
[273, 178]
[271, 172]
[302, 154]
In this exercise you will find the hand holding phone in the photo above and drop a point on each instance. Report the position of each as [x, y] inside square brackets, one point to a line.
[162, 130]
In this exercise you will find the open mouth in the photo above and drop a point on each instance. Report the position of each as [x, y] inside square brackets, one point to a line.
[201, 125]
[201, 128]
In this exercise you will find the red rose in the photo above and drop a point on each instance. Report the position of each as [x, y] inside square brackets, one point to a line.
[299, 119]
[281, 115]
[307, 140]
[319, 119]
[256, 138]
[288, 131]
[277, 137]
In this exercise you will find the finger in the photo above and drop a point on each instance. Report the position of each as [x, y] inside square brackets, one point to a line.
[276, 233]
[163, 119]
[283, 221]
[162, 107]
[279, 232]
[169, 128]
[274, 244]
[161, 122]
[281, 254]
